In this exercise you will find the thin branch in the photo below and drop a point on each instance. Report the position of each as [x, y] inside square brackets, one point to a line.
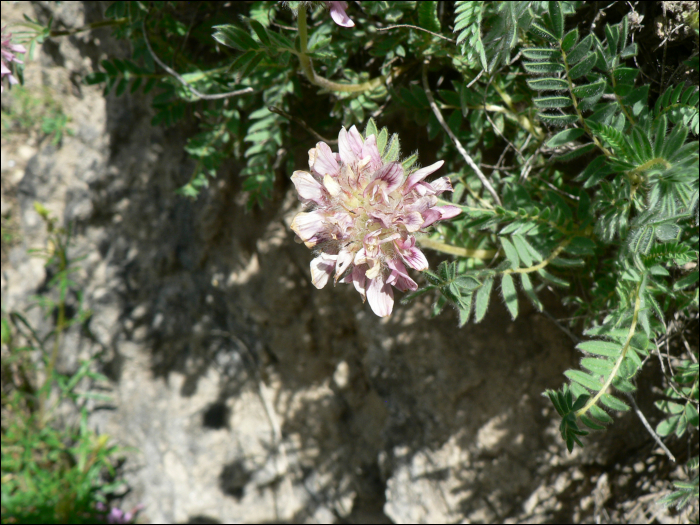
[182, 80]
[646, 424]
[303, 124]
[418, 29]
[455, 140]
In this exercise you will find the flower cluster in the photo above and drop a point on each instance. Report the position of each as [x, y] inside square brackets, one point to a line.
[364, 214]
[8, 56]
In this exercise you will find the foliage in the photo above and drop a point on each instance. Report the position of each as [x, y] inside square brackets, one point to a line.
[36, 112]
[586, 132]
[50, 473]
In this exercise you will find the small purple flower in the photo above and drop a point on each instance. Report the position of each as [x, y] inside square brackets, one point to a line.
[338, 14]
[362, 216]
[8, 56]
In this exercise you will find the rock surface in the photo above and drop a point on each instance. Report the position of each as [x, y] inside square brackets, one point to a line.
[250, 396]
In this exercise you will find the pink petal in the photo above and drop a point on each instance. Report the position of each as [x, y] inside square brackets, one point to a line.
[411, 255]
[418, 175]
[441, 184]
[308, 188]
[392, 174]
[447, 212]
[432, 215]
[321, 269]
[347, 155]
[338, 14]
[356, 141]
[369, 149]
[399, 277]
[380, 296]
[309, 226]
[439, 213]
[412, 221]
[325, 163]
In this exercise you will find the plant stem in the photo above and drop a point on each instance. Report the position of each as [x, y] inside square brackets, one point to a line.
[308, 67]
[60, 327]
[455, 250]
[544, 263]
[575, 102]
[618, 363]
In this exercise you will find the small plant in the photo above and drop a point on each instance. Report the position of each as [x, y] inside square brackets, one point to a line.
[50, 474]
[571, 148]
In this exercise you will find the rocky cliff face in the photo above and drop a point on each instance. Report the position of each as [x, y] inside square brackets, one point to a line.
[247, 394]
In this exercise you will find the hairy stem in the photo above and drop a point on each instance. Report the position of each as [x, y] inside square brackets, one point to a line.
[618, 363]
[308, 67]
[544, 263]
[577, 109]
[455, 250]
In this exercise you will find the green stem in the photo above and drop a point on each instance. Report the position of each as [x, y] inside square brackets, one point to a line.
[60, 327]
[618, 363]
[88, 27]
[308, 67]
[544, 263]
[455, 250]
[578, 111]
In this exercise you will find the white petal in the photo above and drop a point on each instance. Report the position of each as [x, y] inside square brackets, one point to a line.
[321, 269]
[418, 175]
[325, 163]
[307, 226]
[345, 258]
[380, 296]
[332, 185]
[441, 184]
[344, 148]
[308, 188]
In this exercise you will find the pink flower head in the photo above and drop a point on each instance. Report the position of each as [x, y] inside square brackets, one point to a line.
[362, 216]
[338, 14]
[8, 56]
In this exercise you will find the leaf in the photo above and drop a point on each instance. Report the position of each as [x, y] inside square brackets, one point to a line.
[509, 295]
[260, 31]
[540, 31]
[580, 50]
[604, 348]
[483, 295]
[584, 379]
[371, 128]
[557, 18]
[569, 40]
[583, 67]
[530, 291]
[543, 68]
[541, 53]
[393, 151]
[232, 36]
[579, 151]
[625, 75]
[591, 423]
[427, 16]
[600, 414]
[381, 140]
[554, 119]
[552, 102]
[465, 309]
[541, 84]
[597, 365]
[590, 90]
[686, 281]
[511, 252]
